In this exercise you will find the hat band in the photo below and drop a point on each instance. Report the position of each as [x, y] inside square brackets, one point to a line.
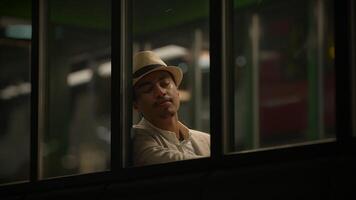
[145, 69]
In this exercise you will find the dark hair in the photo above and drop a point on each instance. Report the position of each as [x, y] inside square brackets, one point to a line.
[134, 96]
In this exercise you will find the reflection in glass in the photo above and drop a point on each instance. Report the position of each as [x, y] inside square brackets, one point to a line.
[178, 32]
[284, 73]
[77, 137]
[15, 89]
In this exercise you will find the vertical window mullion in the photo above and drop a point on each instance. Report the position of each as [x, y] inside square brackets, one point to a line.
[228, 86]
[41, 80]
[120, 113]
[34, 91]
[353, 66]
[216, 60]
[115, 85]
[126, 80]
[121, 84]
[38, 60]
[343, 66]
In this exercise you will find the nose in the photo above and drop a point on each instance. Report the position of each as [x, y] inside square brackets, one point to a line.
[159, 90]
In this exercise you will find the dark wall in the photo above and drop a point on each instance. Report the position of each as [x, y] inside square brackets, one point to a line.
[331, 177]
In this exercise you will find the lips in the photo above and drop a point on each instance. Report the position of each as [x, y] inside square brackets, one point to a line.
[163, 102]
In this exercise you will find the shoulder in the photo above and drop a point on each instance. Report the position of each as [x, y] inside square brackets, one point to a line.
[139, 132]
[200, 135]
[143, 138]
[201, 140]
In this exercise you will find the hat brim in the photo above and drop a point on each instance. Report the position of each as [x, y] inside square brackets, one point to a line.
[176, 72]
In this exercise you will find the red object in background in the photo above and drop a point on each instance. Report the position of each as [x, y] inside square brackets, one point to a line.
[283, 108]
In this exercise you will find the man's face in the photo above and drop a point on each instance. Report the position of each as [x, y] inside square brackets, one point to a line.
[157, 96]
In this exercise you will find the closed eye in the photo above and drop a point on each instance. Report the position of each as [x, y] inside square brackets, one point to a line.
[164, 82]
[145, 87]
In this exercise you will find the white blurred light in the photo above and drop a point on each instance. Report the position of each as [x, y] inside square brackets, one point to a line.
[170, 52]
[104, 69]
[184, 95]
[15, 90]
[79, 77]
[9, 92]
[204, 60]
[24, 88]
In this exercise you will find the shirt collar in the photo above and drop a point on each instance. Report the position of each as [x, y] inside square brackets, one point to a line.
[182, 128]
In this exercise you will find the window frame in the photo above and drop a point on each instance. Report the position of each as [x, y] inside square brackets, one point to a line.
[220, 55]
[353, 65]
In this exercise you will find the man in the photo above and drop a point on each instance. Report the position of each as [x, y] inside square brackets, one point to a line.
[160, 137]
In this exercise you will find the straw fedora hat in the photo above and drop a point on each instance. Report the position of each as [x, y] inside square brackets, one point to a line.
[145, 62]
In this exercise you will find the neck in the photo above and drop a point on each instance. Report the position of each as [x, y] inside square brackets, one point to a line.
[167, 123]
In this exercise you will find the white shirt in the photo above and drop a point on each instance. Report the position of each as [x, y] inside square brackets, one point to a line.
[153, 145]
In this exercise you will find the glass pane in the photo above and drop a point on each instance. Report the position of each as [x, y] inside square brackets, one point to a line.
[284, 73]
[178, 33]
[77, 136]
[15, 89]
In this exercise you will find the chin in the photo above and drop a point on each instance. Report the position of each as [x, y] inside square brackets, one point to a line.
[167, 114]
